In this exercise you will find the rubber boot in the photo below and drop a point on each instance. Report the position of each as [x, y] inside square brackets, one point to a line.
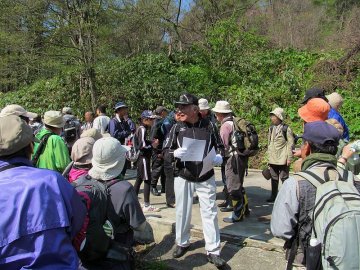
[274, 190]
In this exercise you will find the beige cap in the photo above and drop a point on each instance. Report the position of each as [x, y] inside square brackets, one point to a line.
[335, 100]
[54, 119]
[203, 104]
[66, 110]
[15, 134]
[15, 109]
[279, 113]
[92, 133]
[81, 152]
[222, 106]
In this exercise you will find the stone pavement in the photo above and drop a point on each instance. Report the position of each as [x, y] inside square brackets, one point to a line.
[250, 238]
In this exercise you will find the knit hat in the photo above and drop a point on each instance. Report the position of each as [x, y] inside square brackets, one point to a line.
[335, 100]
[222, 106]
[81, 152]
[15, 134]
[203, 104]
[316, 109]
[279, 113]
[92, 133]
[54, 119]
[108, 159]
[15, 109]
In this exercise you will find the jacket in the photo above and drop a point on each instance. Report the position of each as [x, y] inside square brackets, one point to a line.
[279, 148]
[55, 155]
[119, 129]
[334, 114]
[41, 214]
[202, 130]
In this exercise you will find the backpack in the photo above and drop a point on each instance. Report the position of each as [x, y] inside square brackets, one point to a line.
[244, 138]
[335, 220]
[133, 153]
[98, 242]
[157, 131]
[70, 130]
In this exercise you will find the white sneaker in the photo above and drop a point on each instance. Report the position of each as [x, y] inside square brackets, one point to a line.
[150, 208]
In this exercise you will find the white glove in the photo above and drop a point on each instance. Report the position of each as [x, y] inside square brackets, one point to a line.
[180, 152]
[218, 160]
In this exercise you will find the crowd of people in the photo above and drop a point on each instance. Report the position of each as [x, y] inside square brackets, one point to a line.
[66, 204]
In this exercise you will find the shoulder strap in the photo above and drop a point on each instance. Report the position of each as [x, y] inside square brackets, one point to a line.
[10, 166]
[41, 148]
[315, 180]
[284, 131]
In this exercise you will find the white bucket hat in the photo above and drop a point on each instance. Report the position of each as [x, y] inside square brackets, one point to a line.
[203, 104]
[222, 106]
[279, 113]
[108, 159]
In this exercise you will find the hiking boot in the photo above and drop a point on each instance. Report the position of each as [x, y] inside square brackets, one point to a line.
[180, 251]
[216, 260]
[227, 209]
[232, 220]
[150, 209]
[170, 205]
[155, 192]
[223, 204]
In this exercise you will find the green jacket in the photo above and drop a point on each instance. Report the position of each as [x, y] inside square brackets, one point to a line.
[55, 155]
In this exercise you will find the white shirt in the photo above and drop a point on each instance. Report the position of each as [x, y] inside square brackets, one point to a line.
[101, 123]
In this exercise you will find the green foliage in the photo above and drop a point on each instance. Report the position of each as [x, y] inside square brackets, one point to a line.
[234, 65]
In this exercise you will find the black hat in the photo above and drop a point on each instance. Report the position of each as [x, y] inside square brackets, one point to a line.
[187, 99]
[314, 93]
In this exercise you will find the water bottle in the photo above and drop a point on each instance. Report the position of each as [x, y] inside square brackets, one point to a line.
[353, 163]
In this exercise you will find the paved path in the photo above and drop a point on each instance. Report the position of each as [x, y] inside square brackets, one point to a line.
[250, 238]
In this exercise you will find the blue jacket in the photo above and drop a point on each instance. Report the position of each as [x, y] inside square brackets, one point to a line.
[334, 114]
[40, 215]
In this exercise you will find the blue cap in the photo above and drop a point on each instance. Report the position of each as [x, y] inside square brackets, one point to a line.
[321, 133]
[120, 105]
[148, 114]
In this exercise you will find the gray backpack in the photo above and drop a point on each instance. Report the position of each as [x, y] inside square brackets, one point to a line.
[336, 219]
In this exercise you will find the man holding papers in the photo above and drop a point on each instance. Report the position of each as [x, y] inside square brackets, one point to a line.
[192, 143]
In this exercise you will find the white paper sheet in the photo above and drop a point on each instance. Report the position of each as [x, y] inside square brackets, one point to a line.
[195, 149]
[208, 162]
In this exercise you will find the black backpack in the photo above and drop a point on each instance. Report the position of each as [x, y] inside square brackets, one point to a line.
[70, 131]
[157, 131]
[96, 194]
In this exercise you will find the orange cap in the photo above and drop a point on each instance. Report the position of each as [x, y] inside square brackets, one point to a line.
[316, 109]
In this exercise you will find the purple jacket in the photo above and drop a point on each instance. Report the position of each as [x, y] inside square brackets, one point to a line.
[40, 215]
